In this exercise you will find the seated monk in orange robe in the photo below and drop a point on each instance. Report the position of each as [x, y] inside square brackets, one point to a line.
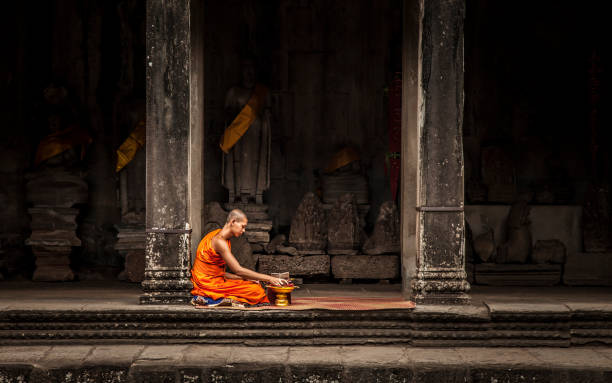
[212, 285]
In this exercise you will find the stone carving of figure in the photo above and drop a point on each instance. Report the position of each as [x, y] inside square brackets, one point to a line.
[343, 228]
[246, 167]
[309, 227]
[518, 246]
[386, 236]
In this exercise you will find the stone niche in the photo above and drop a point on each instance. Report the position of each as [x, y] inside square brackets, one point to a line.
[555, 235]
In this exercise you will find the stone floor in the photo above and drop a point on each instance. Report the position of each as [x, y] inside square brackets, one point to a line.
[198, 363]
[66, 295]
[237, 363]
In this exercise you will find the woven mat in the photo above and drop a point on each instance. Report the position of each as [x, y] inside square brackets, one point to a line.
[333, 303]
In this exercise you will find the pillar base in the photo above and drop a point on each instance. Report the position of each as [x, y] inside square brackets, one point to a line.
[165, 298]
[441, 299]
[434, 288]
[166, 287]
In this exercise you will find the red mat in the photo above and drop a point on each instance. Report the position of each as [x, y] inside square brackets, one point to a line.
[335, 303]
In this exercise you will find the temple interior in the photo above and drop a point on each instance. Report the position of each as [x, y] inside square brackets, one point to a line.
[318, 172]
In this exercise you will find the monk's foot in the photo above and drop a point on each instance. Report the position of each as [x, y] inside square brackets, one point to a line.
[199, 302]
[238, 304]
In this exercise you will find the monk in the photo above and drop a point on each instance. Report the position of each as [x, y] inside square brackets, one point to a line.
[212, 284]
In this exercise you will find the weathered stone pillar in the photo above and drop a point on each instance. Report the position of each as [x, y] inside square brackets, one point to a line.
[174, 168]
[440, 260]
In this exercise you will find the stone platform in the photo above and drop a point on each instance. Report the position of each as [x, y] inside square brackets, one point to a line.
[107, 312]
[219, 364]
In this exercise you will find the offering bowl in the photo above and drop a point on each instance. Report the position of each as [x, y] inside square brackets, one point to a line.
[281, 294]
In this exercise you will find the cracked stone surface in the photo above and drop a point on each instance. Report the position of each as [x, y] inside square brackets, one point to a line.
[187, 363]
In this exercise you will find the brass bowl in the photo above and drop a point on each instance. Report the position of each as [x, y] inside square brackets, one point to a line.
[281, 294]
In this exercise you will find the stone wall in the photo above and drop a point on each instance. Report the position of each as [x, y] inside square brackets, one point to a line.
[526, 79]
[328, 65]
[96, 51]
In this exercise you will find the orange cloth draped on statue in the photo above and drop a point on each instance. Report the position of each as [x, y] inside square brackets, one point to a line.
[208, 277]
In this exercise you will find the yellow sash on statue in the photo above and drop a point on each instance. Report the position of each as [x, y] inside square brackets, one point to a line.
[244, 119]
[59, 142]
[130, 146]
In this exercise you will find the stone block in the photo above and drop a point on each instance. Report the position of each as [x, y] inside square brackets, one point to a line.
[53, 273]
[53, 238]
[310, 251]
[52, 260]
[342, 251]
[257, 247]
[264, 225]
[254, 212]
[257, 236]
[549, 251]
[53, 218]
[588, 269]
[51, 250]
[287, 250]
[61, 189]
[517, 274]
[277, 241]
[301, 265]
[135, 265]
[365, 266]
[130, 238]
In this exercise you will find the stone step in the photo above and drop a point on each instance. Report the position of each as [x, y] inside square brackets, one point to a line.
[499, 325]
[227, 363]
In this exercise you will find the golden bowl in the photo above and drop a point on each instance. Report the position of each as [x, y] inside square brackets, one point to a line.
[281, 289]
[281, 294]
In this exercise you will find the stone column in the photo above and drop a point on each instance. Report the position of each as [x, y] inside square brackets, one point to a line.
[174, 173]
[440, 260]
[410, 140]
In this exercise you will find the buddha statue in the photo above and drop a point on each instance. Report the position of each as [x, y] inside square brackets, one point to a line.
[246, 141]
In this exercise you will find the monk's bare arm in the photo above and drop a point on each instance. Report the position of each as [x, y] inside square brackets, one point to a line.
[229, 275]
[220, 246]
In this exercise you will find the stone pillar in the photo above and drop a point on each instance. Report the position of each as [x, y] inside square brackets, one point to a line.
[440, 260]
[174, 128]
[410, 132]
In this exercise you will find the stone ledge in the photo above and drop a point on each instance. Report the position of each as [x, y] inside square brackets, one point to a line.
[502, 325]
[142, 363]
[296, 265]
[517, 274]
[365, 266]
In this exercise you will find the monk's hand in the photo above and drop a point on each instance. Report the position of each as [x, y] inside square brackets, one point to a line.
[279, 281]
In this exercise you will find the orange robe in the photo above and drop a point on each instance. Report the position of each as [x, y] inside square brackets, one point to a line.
[208, 277]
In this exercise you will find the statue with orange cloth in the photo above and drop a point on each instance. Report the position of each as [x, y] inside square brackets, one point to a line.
[213, 285]
[246, 140]
[66, 142]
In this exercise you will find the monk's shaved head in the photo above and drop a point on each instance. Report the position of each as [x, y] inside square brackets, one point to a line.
[237, 215]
